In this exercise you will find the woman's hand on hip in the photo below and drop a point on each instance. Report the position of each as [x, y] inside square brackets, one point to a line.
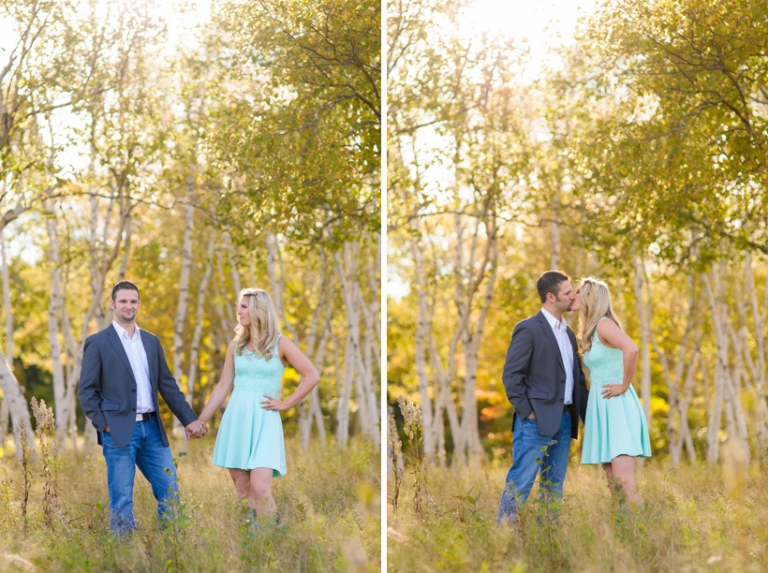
[270, 403]
[611, 390]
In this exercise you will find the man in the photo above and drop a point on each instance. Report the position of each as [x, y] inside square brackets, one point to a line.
[123, 370]
[546, 385]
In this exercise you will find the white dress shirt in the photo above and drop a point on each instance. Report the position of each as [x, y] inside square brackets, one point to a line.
[560, 328]
[137, 356]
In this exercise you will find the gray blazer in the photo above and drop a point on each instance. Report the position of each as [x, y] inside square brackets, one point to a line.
[534, 376]
[107, 386]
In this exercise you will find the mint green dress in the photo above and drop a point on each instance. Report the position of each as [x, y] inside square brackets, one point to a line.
[249, 436]
[614, 426]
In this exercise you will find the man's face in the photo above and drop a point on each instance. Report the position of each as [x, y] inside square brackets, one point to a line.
[565, 297]
[126, 304]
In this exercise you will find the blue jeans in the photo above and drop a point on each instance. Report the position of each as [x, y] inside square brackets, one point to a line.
[528, 459]
[147, 452]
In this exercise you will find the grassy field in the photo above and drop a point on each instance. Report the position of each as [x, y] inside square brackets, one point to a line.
[694, 519]
[330, 501]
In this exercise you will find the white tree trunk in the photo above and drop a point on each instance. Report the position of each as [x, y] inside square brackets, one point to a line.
[354, 371]
[726, 388]
[231, 256]
[181, 308]
[344, 394]
[8, 314]
[677, 423]
[17, 404]
[471, 430]
[199, 314]
[739, 376]
[759, 364]
[309, 410]
[556, 229]
[126, 251]
[8, 311]
[277, 283]
[715, 410]
[224, 302]
[372, 311]
[421, 344]
[365, 375]
[474, 270]
[75, 352]
[55, 307]
[684, 437]
[676, 415]
[645, 336]
[469, 274]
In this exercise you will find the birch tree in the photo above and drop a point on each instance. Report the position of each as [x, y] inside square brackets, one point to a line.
[180, 321]
[317, 337]
[455, 160]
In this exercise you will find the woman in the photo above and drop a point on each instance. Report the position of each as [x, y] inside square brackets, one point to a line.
[615, 429]
[250, 438]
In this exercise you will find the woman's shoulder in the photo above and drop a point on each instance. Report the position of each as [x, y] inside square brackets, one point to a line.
[605, 324]
[608, 332]
[283, 341]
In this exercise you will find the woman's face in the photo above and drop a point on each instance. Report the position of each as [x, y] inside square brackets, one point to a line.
[576, 300]
[243, 314]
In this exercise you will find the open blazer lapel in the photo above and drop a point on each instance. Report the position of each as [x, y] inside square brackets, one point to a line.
[551, 337]
[149, 348]
[117, 344]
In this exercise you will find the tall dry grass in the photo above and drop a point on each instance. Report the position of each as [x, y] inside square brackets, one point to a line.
[694, 519]
[330, 501]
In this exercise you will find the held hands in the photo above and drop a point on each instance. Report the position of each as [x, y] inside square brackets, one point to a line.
[196, 429]
[611, 390]
[271, 403]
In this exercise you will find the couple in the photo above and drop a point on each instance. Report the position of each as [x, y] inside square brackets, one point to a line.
[123, 371]
[546, 385]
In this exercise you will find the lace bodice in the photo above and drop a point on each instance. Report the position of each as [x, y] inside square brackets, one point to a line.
[254, 372]
[606, 365]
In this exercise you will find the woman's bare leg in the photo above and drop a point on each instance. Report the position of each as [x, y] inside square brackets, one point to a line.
[261, 492]
[623, 468]
[242, 482]
[608, 474]
[255, 486]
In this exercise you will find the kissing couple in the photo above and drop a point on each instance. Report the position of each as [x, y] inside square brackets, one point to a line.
[546, 384]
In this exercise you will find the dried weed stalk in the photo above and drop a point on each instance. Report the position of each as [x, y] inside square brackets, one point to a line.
[46, 435]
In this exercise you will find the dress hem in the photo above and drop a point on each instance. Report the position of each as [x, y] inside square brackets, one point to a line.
[591, 463]
[275, 472]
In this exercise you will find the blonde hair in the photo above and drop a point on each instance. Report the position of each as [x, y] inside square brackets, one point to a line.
[595, 304]
[264, 328]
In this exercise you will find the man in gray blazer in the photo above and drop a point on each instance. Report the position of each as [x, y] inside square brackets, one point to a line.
[546, 385]
[123, 370]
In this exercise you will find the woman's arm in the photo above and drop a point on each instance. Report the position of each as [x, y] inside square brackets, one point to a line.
[224, 386]
[291, 354]
[611, 335]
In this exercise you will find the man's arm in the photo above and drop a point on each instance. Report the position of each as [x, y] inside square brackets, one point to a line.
[515, 370]
[169, 390]
[89, 387]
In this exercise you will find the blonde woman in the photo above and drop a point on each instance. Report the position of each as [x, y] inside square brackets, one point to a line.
[615, 429]
[250, 439]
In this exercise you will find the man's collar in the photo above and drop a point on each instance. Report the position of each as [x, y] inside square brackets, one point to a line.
[553, 322]
[121, 332]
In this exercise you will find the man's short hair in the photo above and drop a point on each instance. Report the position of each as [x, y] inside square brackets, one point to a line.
[124, 285]
[550, 282]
